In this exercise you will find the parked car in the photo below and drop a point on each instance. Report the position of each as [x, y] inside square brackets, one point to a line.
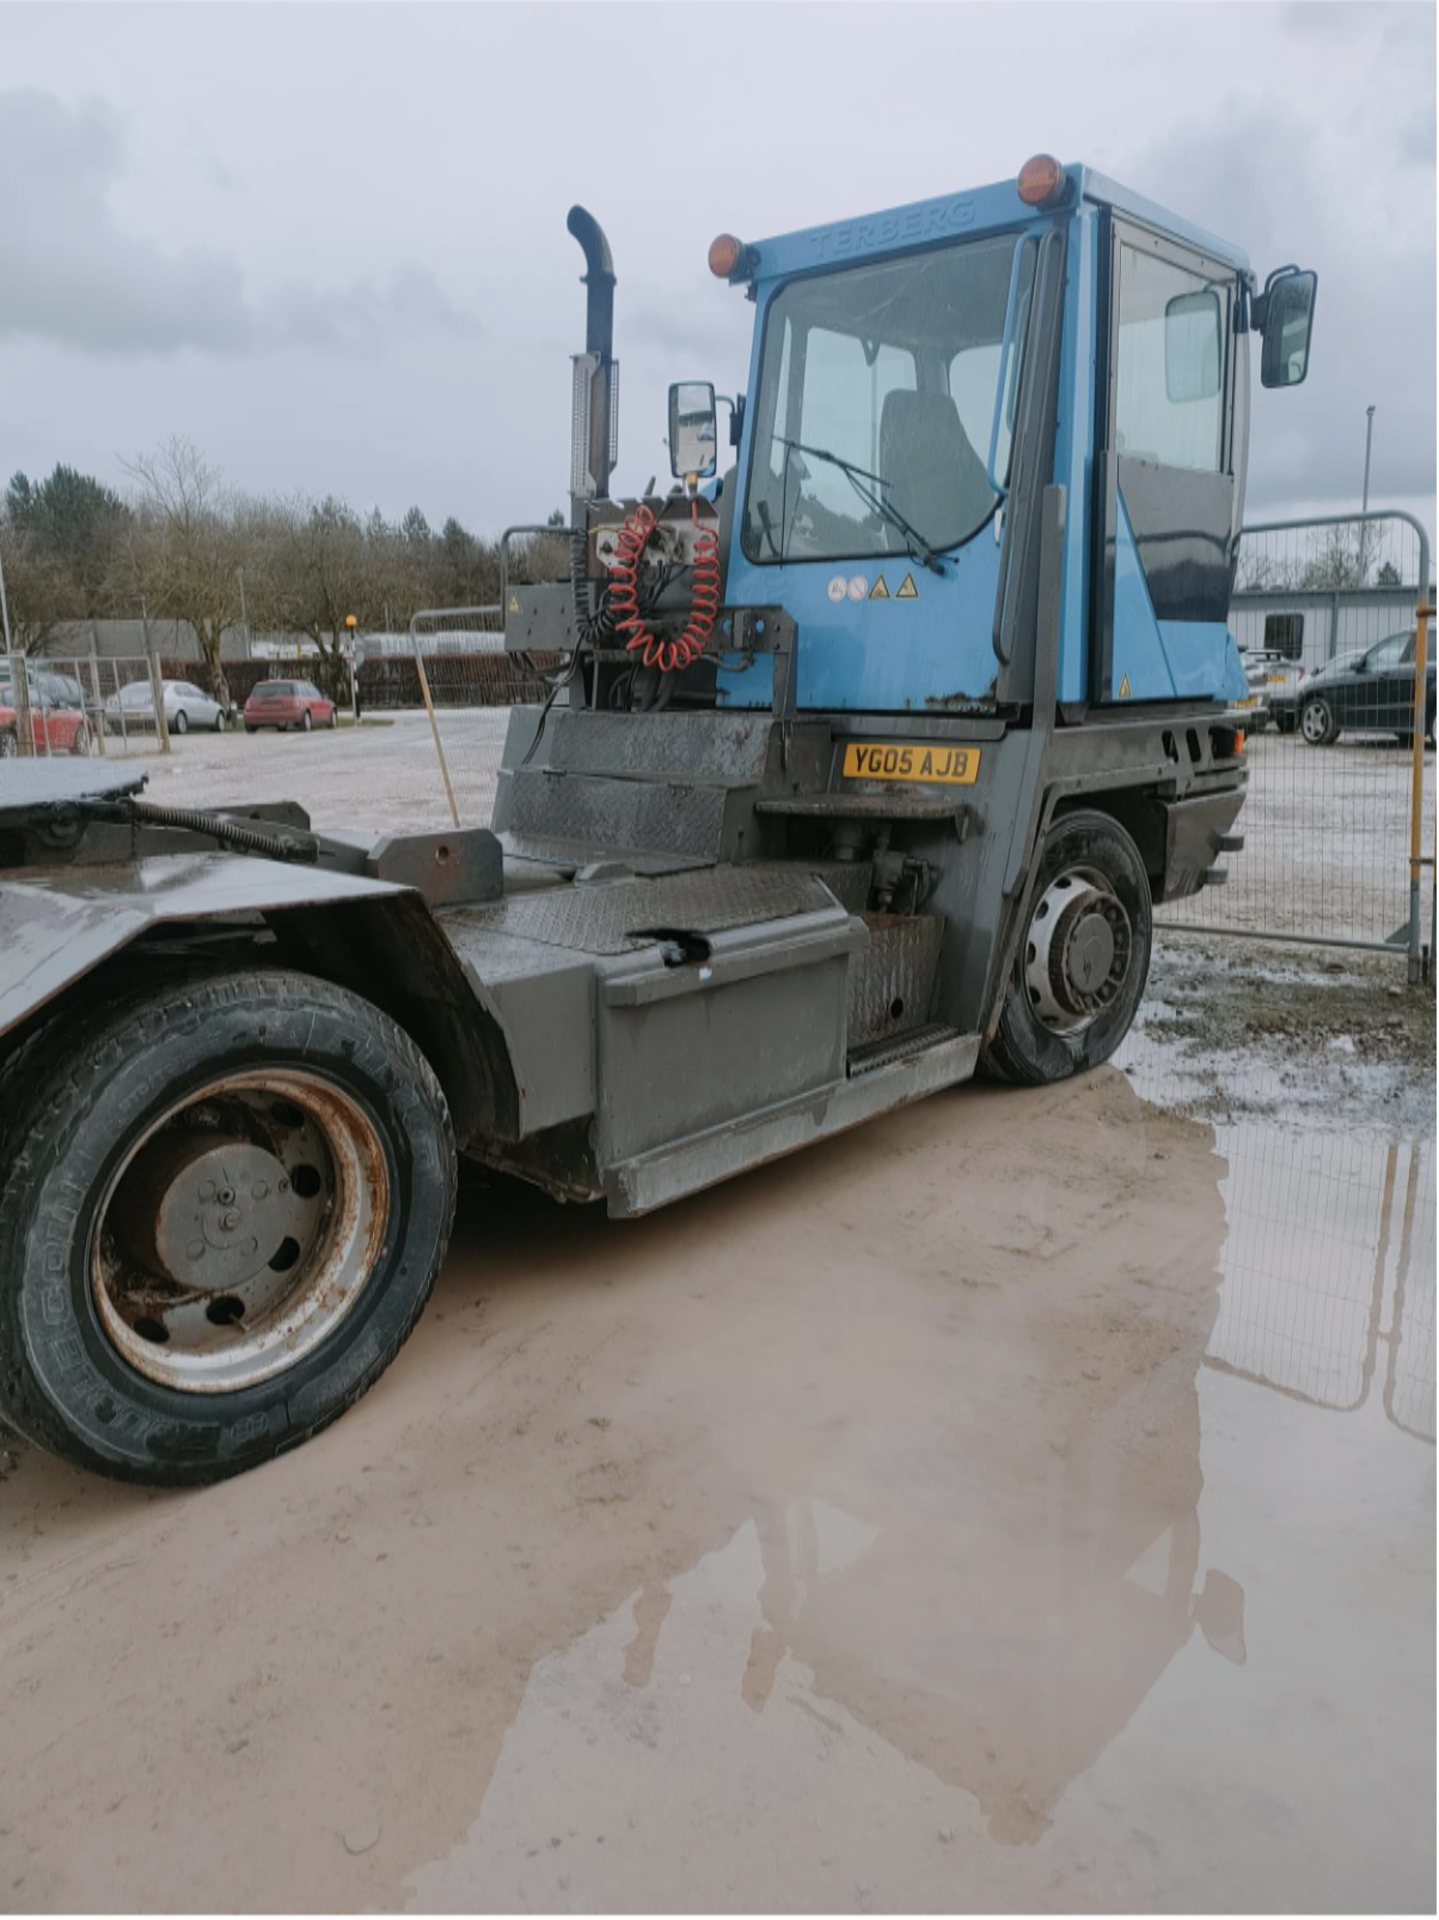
[55, 727]
[288, 703]
[1369, 692]
[133, 708]
[1272, 676]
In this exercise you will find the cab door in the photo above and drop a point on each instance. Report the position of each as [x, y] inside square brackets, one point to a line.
[1169, 472]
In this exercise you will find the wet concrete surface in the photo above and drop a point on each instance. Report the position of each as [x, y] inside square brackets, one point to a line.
[1023, 1502]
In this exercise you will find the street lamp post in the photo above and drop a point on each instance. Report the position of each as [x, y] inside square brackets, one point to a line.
[351, 627]
[1364, 524]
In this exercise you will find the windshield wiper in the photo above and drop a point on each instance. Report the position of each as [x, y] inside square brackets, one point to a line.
[916, 546]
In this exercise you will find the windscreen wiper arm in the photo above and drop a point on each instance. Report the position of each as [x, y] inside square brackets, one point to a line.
[916, 546]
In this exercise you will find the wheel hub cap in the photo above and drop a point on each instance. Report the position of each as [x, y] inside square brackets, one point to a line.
[1077, 951]
[211, 1217]
[240, 1230]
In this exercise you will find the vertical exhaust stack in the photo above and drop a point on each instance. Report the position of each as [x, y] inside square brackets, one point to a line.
[595, 430]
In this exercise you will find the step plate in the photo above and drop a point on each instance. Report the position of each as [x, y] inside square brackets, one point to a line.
[884, 1053]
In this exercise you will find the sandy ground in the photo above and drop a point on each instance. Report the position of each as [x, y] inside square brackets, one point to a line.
[1024, 1502]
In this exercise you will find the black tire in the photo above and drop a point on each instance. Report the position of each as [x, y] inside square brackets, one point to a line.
[76, 1105]
[1027, 1052]
[181, 722]
[250, 727]
[1317, 723]
[306, 723]
[80, 742]
[220, 721]
[1286, 722]
[9, 744]
[334, 719]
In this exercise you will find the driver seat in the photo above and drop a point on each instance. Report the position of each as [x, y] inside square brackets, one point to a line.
[936, 479]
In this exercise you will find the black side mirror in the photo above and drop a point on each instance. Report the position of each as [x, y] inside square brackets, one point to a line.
[693, 432]
[1286, 317]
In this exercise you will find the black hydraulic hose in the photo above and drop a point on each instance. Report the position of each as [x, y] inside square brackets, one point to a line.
[148, 813]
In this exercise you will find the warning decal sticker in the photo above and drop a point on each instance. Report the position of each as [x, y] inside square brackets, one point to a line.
[879, 591]
[907, 589]
[1124, 688]
[512, 605]
[838, 587]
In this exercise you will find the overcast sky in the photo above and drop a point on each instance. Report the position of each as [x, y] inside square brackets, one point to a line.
[327, 243]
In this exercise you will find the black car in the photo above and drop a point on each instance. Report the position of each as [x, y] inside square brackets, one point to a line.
[1369, 692]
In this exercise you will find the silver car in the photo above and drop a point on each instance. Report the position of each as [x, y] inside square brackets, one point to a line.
[186, 706]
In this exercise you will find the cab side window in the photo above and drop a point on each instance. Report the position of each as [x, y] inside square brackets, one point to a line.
[1173, 333]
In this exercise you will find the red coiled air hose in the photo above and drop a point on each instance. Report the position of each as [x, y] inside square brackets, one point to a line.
[630, 543]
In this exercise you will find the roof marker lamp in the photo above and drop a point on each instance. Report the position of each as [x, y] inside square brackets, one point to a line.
[1041, 181]
[728, 258]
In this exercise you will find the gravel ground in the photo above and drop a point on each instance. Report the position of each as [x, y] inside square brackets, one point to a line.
[1024, 1502]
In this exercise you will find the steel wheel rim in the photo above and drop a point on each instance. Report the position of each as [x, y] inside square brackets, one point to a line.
[1062, 914]
[188, 1288]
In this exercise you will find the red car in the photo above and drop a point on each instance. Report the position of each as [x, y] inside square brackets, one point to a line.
[54, 729]
[286, 704]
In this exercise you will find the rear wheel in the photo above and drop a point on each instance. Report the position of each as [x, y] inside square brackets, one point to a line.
[9, 745]
[226, 1206]
[181, 722]
[1081, 968]
[1317, 724]
[220, 721]
[80, 741]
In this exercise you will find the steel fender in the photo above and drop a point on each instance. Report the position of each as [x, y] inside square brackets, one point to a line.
[60, 923]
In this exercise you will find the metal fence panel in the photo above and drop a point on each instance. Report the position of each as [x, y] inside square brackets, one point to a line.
[83, 705]
[463, 670]
[1332, 771]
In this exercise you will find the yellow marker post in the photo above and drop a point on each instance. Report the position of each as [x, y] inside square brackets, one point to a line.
[1423, 615]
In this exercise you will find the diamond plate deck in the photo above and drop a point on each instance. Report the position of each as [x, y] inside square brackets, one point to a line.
[890, 983]
[618, 815]
[611, 917]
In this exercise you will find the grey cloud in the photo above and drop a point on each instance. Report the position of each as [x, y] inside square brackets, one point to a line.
[78, 278]
[1257, 173]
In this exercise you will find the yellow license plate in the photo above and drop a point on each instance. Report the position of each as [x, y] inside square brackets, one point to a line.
[889, 760]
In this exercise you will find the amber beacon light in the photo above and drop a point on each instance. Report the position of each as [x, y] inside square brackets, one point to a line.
[1040, 179]
[724, 256]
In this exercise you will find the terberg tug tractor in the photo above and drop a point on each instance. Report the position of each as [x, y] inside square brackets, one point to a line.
[862, 767]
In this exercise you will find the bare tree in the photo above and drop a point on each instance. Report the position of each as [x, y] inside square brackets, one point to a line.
[39, 592]
[185, 554]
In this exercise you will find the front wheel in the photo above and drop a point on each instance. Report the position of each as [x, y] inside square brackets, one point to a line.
[1081, 967]
[305, 721]
[9, 745]
[1317, 724]
[80, 741]
[226, 1204]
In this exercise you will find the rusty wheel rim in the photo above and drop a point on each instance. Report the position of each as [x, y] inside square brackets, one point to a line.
[239, 1230]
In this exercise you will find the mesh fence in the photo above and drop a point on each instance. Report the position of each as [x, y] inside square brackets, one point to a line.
[1324, 614]
[471, 682]
[80, 706]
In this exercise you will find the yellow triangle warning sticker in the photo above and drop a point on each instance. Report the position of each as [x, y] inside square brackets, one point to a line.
[907, 589]
[512, 605]
[1124, 688]
[879, 591]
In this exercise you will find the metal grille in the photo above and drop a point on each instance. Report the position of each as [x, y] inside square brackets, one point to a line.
[1327, 819]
